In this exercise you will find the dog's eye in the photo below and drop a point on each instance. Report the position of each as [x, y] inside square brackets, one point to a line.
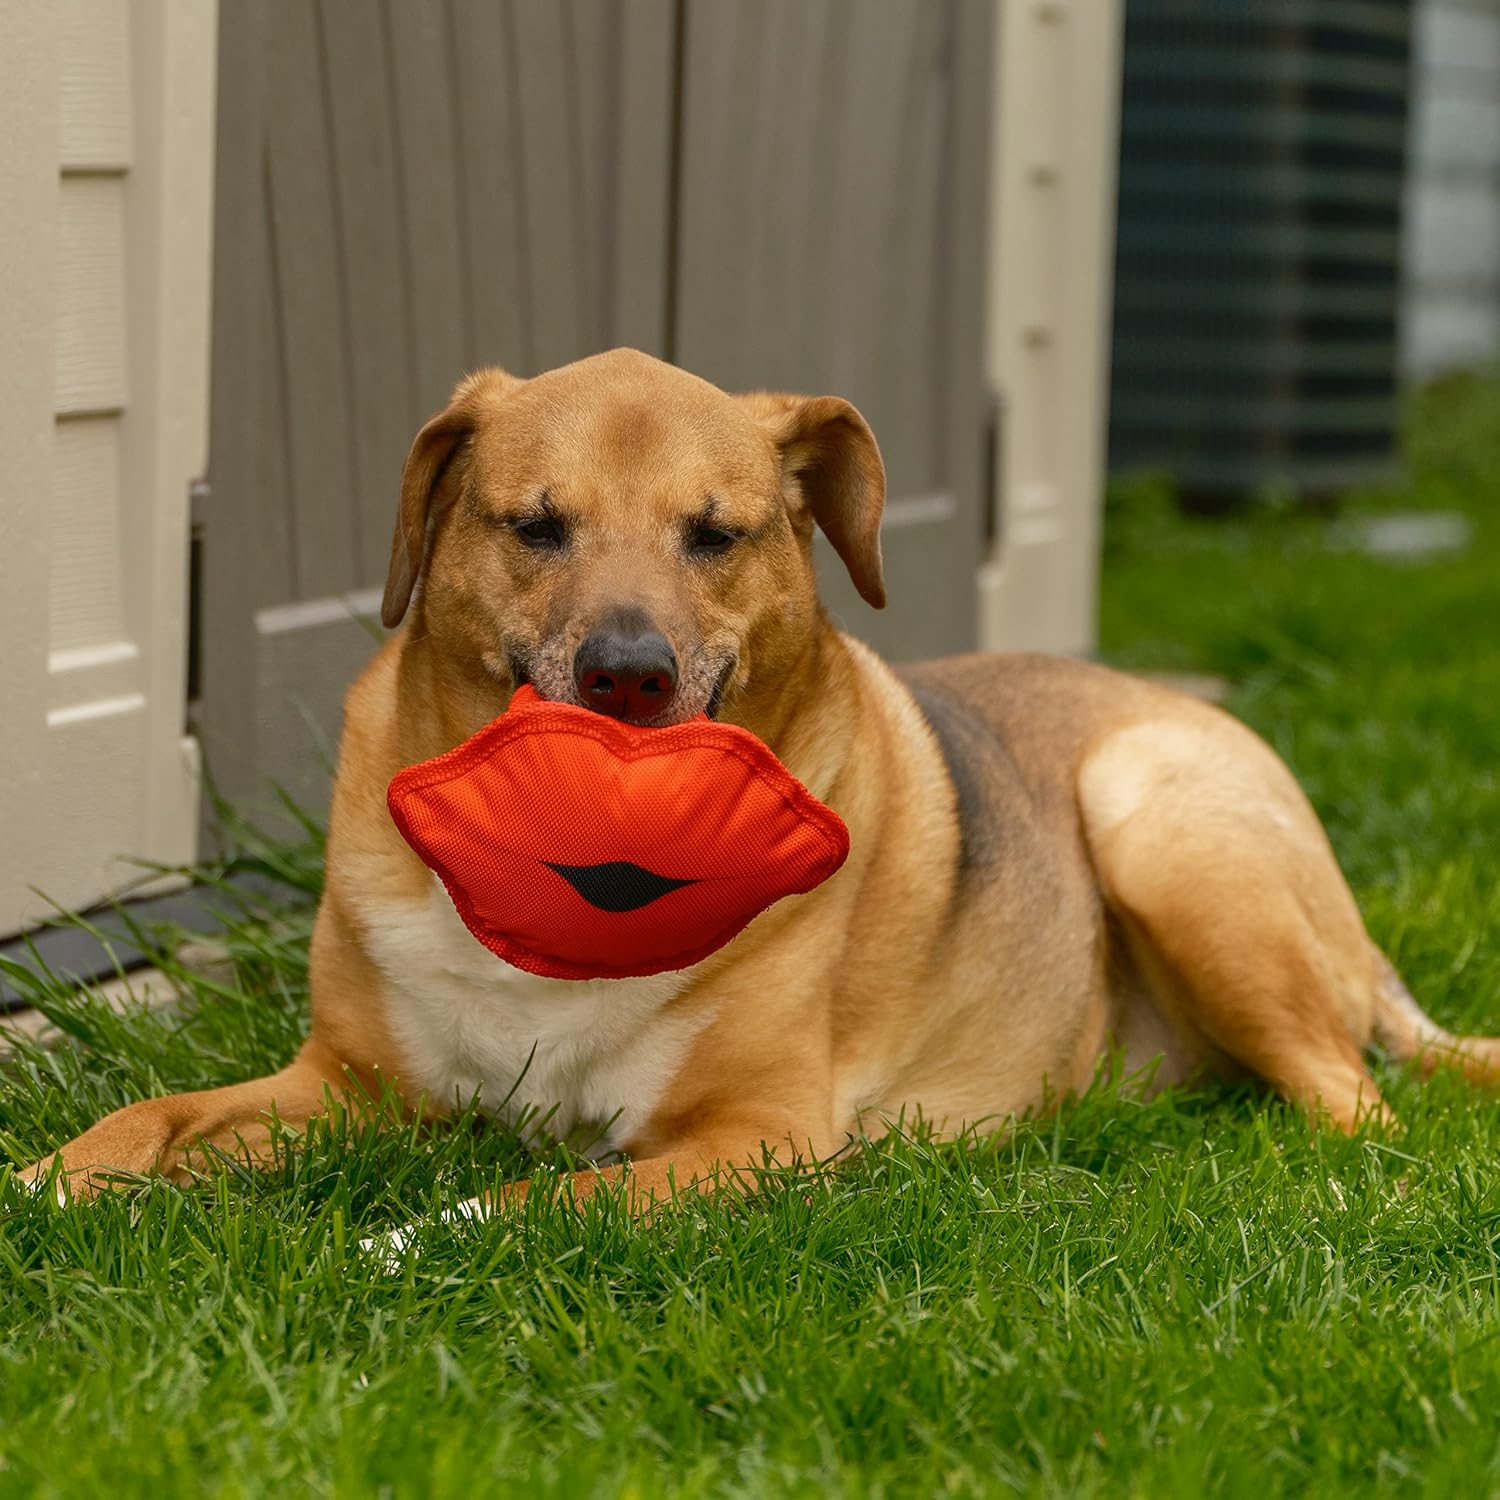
[542, 533]
[708, 541]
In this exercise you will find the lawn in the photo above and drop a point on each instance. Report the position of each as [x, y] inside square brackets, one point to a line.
[1195, 1295]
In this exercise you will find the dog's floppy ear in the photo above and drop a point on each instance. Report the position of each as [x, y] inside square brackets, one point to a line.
[831, 469]
[429, 484]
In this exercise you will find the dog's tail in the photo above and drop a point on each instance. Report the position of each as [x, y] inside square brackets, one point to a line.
[1405, 1030]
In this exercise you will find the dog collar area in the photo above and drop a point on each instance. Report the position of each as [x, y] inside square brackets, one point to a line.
[582, 847]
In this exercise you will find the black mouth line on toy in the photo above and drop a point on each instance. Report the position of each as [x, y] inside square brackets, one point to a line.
[617, 885]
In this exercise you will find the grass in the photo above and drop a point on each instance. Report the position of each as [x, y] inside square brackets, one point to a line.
[1195, 1295]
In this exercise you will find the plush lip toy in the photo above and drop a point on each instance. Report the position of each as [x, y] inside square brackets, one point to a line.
[582, 847]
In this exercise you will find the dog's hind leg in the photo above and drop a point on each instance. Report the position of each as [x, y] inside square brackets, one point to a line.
[1407, 1032]
[1234, 907]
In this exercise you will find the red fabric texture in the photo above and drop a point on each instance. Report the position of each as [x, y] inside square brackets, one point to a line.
[550, 810]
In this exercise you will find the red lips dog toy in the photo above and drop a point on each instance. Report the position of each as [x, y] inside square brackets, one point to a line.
[582, 847]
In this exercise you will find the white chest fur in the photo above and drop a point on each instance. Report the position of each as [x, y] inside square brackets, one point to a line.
[559, 1056]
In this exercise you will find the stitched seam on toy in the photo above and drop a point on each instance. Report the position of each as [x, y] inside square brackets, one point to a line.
[776, 778]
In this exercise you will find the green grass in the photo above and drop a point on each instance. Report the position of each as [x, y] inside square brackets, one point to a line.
[1196, 1295]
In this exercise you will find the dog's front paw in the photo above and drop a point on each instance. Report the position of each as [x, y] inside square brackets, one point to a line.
[390, 1250]
[39, 1178]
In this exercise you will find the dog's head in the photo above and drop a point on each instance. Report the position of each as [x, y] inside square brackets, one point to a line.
[627, 537]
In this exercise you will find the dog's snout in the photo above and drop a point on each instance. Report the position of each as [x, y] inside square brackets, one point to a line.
[627, 671]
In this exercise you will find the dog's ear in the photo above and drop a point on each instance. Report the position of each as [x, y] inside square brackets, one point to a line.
[429, 482]
[831, 470]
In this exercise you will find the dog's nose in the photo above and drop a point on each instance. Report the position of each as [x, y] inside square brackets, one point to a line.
[626, 674]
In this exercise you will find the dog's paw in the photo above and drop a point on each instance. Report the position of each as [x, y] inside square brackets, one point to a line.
[390, 1250]
[38, 1178]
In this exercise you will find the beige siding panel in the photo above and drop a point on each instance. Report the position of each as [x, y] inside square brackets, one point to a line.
[90, 272]
[83, 675]
[116, 123]
[1056, 72]
[98, 752]
[28, 193]
[86, 604]
[116, 128]
[95, 78]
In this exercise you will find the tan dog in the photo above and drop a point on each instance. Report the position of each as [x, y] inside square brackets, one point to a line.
[1049, 860]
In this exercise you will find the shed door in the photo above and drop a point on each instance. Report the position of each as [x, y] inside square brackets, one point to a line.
[780, 194]
[105, 174]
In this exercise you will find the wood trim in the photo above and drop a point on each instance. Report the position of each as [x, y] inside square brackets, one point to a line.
[1057, 79]
[29, 150]
[164, 439]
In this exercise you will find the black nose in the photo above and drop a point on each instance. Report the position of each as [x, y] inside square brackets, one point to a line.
[625, 672]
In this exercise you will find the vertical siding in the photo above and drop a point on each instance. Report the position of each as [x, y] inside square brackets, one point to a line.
[434, 255]
[411, 187]
[406, 189]
[431, 204]
[367, 196]
[817, 253]
[1451, 303]
[492, 234]
[561, 216]
[310, 272]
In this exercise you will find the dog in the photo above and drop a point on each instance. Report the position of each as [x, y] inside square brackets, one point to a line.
[1051, 863]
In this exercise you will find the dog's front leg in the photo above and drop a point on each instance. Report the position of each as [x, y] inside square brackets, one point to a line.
[730, 1161]
[172, 1134]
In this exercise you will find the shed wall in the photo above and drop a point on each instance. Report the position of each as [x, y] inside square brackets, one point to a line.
[106, 174]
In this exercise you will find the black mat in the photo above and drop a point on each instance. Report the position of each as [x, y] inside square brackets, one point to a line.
[80, 956]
